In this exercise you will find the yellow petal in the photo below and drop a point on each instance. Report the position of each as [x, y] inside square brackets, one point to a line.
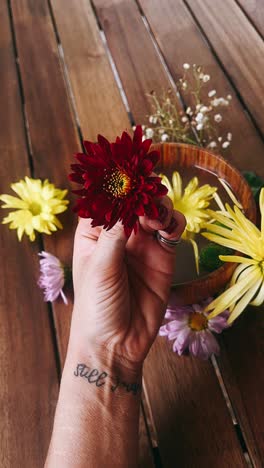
[222, 218]
[20, 232]
[221, 231]
[196, 254]
[13, 202]
[259, 299]
[242, 304]
[226, 242]
[57, 223]
[61, 194]
[32, 236]
[237, 259]
[245, 223]
[234, 293]
[38, 223]
[177, 185]
[165, 181]
[219, 201]
[230, 193]
[238, 273]
[59, 209]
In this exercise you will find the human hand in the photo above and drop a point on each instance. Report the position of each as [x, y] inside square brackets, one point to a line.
[121, 289]
[121, 285]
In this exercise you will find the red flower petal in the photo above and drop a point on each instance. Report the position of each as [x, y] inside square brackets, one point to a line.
[116, 181]
[137, 139]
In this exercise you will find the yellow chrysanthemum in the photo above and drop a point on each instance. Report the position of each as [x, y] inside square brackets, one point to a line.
[247, 284]
[193, 202]
[36, 207]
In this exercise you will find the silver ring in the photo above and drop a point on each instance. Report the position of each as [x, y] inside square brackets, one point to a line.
[168, 242]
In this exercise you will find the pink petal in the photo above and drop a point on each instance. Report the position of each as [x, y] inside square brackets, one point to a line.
[217, 324]
[195, 346]
[209, 343]
[182, 341]
[172, 329]
[163, 331]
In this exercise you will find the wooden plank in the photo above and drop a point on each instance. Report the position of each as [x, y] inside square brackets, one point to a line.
[29, 382]
[51, 124]
[241, 368]
[245, 391]
[189, 412]
[255, 11]
[145, 449]
[178, 389]
[98, 101]
[134, 58]
[238, 46]
[53, 135]
[171, 37]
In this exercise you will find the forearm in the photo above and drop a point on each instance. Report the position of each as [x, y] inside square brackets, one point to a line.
[97, 416]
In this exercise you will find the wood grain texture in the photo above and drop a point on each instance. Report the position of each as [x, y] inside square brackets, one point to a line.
[125, 13]
[180, 41]
[254, 9]
[192, 422]
[52, 129]
[240, 365]
[145, 451]
[98, 101]
[247, 154]
[135, 57]
[29, 382]
[238, 46]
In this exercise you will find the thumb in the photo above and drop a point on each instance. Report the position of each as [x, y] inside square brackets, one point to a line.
[110, 248]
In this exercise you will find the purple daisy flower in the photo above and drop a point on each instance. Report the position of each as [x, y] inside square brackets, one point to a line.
[191, 330]
[52, 277]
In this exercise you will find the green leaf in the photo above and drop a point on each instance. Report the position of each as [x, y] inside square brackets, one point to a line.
[209, 256]
[255, 182]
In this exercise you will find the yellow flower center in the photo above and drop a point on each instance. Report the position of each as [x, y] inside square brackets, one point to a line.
[118, 184]
[35, 208]
[197, 322]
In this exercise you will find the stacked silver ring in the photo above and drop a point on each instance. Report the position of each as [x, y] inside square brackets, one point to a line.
[168, 242]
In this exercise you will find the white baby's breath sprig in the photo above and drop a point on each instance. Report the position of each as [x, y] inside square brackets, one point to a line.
[201, 121]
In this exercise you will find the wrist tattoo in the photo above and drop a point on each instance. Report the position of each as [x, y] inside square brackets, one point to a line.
[99, 379]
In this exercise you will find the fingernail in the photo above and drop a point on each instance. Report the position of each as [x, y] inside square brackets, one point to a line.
[163, 213]
[172, 226]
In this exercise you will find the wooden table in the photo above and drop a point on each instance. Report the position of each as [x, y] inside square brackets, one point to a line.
[58, 86]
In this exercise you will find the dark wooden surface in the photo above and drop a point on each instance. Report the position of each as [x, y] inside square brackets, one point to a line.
[29, 379]
[57, 80]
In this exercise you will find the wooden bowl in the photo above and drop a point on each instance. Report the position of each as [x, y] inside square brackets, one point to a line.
[176, 156]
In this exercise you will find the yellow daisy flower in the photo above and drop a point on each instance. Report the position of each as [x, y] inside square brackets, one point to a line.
[36, 207]
[247, 283]
[193, 202]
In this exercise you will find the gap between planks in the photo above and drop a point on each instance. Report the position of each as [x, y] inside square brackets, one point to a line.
[214, 363]
[68, 84]
[125, 102]
[80, 134]
[224, 69]
[31, 167]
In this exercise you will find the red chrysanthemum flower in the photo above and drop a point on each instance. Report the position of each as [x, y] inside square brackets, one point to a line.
[117, 181]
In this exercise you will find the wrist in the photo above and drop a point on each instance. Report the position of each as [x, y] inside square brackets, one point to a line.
[99, 401]
[101, 372]
[110, 356]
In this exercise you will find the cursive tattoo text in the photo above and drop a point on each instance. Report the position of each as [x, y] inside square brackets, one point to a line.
[135, 388]
[99, 379]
